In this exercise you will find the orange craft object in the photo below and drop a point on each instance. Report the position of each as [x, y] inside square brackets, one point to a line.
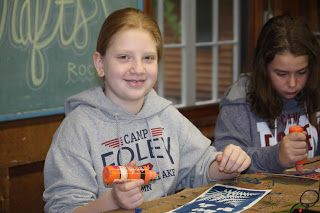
[299, 164]
[295, 128]
[112, 173]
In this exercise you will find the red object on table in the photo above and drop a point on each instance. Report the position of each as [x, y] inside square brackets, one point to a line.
[299, 164]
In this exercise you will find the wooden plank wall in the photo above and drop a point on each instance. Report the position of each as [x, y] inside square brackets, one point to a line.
[23, 147]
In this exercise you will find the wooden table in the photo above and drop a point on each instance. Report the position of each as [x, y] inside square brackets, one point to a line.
[285, 192]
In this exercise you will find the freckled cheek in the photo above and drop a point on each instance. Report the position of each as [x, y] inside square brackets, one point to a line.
[152, 70]
[153, 76]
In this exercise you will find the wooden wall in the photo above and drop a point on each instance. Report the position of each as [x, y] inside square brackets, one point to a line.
[23, 147]
[253, 20]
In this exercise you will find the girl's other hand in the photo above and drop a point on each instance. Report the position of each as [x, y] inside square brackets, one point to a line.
[293, 148]
[233, 159]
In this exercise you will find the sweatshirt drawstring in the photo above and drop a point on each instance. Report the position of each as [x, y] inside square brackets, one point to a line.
[119, 139]
[155, 155]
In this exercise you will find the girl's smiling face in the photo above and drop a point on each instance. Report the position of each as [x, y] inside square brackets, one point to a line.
[288, 74]
[129, 68]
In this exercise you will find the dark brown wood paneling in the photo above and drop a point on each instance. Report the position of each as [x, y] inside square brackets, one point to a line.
[26, 141]
[23, 148]
[203, 116]
[26, 187]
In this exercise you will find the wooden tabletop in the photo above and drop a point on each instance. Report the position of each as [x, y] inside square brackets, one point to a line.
[285, 192]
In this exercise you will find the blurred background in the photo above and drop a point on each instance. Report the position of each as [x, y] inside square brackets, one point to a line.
[208, 43]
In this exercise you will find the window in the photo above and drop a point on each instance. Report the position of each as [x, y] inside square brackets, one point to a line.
[201, 49]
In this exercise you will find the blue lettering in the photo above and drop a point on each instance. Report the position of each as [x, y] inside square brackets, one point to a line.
[168, 173]
[146, 188]
[168, 149]
[131, 156]
[139, 153]
[104, 156]
[139, 134]
[125, 139]
[150, 148]
[145, 132]
[157, 147]
[133, 138]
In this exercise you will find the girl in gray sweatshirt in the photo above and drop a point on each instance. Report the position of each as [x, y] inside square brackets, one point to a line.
[126, 122]
[283, 90]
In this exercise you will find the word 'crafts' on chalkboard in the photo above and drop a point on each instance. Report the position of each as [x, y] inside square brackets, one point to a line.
[46, 52]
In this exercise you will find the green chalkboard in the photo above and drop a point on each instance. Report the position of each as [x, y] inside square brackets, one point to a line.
[46, 48]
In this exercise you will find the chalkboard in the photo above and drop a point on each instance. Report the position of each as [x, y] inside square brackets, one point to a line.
[46, 48]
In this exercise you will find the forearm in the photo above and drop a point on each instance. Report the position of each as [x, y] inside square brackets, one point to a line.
[265, 159]
[104, 203]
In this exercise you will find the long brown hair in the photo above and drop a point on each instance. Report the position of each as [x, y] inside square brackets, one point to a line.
[280, 34]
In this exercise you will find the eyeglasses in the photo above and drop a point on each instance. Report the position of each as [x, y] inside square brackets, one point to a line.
[308, 199]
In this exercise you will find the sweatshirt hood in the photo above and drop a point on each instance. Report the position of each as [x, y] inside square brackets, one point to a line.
[236, 94]
[96, 99]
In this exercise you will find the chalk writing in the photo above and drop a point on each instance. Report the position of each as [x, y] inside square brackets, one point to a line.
[80, 72]
[37, 24]
[46, 52]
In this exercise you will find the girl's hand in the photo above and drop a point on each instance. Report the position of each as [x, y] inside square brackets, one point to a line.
[233, 159]
[292, 148]
[128, 195]
[124, 194]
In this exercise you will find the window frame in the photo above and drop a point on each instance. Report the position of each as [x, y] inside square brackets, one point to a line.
[189, 47]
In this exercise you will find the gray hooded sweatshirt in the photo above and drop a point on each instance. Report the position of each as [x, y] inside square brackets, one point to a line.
[237, 124]
[96, 132]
